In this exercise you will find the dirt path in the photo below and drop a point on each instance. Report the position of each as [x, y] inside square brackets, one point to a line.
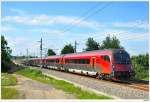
[32, 89]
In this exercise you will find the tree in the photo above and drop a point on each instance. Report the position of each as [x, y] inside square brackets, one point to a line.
[67, 49]
[111, 42]
[91, 44]
[140, 65]
[5, 54]
[50, 52]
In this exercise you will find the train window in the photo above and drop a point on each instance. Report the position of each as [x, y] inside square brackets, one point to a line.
[66, 61]
[57, 61]
[78, 61]
[51, 61]
[106, 58]
[85, 61]
[122, 58]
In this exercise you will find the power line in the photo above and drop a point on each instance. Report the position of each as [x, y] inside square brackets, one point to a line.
[88, 16]
[89, 10]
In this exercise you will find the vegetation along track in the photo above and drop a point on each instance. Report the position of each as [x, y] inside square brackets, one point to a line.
[119, 89]
[136, 84]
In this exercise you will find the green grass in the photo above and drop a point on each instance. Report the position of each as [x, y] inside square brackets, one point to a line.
[6, 92]
[9, 93]
[7, 79]
[146, 78]
[60, 84]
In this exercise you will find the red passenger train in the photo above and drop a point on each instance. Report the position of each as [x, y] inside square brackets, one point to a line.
[112, 64]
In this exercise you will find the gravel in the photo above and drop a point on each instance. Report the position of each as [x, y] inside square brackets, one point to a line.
[111, 89]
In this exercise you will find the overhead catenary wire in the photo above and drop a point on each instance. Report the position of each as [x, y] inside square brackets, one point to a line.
[85, 13]
[86, 17]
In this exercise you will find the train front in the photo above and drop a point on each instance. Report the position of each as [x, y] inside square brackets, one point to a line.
[121, 65]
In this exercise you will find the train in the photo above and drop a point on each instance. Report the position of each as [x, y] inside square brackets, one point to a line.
[110, 64]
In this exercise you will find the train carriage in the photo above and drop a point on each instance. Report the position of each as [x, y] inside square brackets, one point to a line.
[53, 62]
[104, 64]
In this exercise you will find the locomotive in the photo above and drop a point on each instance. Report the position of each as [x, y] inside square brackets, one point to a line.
[111, 64]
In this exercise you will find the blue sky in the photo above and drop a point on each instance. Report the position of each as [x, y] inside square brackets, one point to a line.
[60, 23]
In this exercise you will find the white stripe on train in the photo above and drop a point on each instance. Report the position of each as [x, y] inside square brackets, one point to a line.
[75, 70]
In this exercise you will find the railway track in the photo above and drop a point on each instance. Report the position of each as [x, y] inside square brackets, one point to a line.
[141, 85]
[136, 84]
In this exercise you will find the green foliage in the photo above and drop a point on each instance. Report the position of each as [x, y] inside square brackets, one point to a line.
[111, 42]
[60, 84]
[9, 93]
[8, 79]
[140, 66]
[50, 52]
[5, 54]
[67, 49]
[30, 72]
[91, 44]
[6, 92]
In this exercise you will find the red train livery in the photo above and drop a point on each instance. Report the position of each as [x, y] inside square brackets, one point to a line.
[104, 64]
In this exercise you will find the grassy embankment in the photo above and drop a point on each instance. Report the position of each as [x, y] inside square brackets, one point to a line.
[60, 84]
[6, 92]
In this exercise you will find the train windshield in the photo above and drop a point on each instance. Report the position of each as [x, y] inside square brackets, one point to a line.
[122, 57]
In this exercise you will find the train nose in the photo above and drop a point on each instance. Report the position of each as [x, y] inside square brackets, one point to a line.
[122, 67]
[121, 71]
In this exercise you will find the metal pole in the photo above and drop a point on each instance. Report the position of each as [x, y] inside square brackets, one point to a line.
[45, 52]
[41, 51]
[27, 56]
[75, 47]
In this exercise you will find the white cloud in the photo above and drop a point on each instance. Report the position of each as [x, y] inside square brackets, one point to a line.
[7, 29]
[18, 11]
[132, 24]
[48, 31]
[51, 20]
[20, 44]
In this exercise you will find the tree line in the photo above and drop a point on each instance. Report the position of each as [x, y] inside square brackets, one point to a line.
[140, 66]
[5, 55]
[91, 44]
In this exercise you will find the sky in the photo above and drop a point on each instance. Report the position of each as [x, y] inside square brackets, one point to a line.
[61, 23]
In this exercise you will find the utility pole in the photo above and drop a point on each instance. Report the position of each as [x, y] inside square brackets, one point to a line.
[27, 56]
[75, 46]
[41, 50]
[45, 52]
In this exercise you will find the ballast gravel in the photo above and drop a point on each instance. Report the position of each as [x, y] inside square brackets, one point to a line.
[111, 89]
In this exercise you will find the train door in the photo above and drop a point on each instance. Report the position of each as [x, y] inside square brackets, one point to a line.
[93, 62]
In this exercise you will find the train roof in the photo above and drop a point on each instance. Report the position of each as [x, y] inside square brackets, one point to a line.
[54, 57]
[96, 51]
[86, 53]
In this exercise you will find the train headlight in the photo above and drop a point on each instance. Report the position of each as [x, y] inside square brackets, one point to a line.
[113, 67]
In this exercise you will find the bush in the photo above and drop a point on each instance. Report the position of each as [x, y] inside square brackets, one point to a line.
[140, 66]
